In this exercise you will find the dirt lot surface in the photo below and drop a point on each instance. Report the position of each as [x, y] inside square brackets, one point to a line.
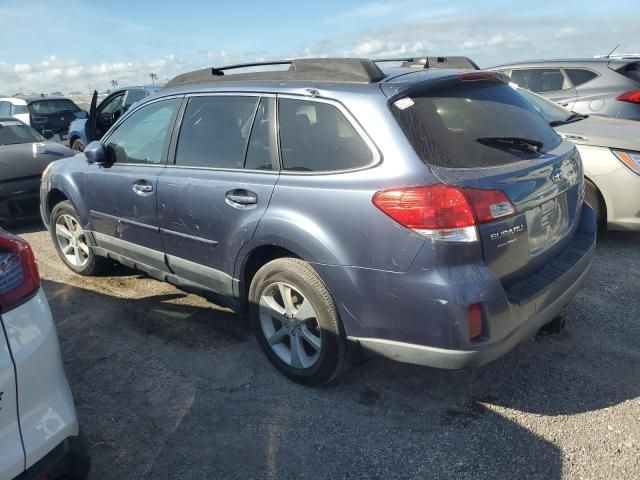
[169, 386]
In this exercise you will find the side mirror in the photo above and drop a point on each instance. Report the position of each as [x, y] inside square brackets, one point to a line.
[81, 114]
[95, 152]
[48, 134]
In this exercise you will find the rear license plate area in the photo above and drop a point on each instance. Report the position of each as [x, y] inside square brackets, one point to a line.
[547, 223]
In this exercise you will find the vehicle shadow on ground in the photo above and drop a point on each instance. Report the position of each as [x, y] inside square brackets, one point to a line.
[167, 388]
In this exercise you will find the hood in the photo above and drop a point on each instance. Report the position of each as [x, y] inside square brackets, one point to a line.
[29, 159]
[603, 132]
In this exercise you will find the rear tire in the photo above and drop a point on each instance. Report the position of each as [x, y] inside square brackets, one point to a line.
[71, 242]
[592, 197]
[296, 322]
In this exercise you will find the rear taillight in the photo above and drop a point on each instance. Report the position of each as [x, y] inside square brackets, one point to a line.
[443, 212]
[632, 96]
[19, 277]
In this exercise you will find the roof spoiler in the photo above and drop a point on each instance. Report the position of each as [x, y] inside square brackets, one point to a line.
[453, 62]
[358, 70]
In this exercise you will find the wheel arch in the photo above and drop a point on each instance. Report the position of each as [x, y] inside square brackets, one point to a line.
[66, 187]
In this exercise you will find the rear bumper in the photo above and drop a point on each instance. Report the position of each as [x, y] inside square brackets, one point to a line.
[69, 460]
[457, 359]
[421, 316]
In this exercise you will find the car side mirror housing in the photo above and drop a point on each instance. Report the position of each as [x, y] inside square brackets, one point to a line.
[81, 115]
[95, 152]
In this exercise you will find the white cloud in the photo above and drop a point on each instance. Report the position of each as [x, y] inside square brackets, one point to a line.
[54, 73]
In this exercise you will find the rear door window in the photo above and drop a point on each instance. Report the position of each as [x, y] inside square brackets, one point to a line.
[540, 80]
[457, 126]
[215, 131]
[5, 109]
[580, 76]
[316, 137]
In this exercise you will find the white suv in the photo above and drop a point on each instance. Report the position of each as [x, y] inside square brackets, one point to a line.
[39, 434]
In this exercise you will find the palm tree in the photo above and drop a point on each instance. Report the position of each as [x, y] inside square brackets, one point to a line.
[114, 83]
[154, 77]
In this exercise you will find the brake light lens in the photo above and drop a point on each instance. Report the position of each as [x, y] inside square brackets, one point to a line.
[443, 212]
[19, 277]
[632, 96]
[629, 158]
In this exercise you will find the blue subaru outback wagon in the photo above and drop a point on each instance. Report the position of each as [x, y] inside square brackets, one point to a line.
[430, 216]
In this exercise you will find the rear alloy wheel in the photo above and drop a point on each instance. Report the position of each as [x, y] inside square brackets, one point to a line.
[296, 322]
[71, 242]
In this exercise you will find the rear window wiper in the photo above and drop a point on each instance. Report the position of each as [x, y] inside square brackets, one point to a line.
[574, 117]
[519, 143]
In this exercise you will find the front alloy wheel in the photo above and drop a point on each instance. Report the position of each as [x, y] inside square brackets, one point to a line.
[72, 241]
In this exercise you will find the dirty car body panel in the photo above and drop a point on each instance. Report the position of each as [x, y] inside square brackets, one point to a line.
[399, 293]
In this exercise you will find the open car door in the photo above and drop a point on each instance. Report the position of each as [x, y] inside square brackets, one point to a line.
[92, 126]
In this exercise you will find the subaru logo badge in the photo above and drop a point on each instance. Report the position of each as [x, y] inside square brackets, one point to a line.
[556, 176]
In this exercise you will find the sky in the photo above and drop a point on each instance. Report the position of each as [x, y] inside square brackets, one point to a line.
[76, 45]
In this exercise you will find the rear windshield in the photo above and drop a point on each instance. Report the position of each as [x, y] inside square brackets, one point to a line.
[12, 132]
[47, 107]
[470, 126]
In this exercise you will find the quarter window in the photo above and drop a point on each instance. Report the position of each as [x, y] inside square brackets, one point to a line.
[540, 79]
[316, 137]
[580, 76]
[142, 137]
[5, 109]
[215, 131]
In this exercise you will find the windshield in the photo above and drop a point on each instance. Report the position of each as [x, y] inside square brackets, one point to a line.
[12, 132]
[552, 112]
[47, 107]
[473, 125]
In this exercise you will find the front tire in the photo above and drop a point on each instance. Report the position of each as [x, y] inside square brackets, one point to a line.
[71, 242]
[296, 322]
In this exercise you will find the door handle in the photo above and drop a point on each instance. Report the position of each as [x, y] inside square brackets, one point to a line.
[241, 197]
[142, 187]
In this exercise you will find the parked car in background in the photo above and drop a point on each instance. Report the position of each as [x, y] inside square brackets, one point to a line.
[441, 194]
[610, 151]
[46, 114]
[39, 433]
[608, 86]
[24, 154]
[103, 116]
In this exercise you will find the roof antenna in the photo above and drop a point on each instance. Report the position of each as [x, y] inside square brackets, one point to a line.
[611, 52]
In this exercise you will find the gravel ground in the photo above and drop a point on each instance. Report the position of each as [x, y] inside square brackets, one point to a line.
[168, 385]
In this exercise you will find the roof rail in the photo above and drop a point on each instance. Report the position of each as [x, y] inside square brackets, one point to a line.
[358, 70]
[455, 62]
